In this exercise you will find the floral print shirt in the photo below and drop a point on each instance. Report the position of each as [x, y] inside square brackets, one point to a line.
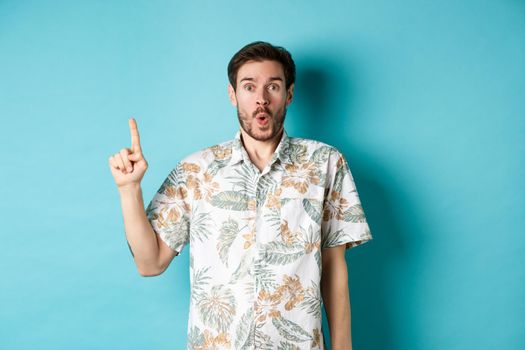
[256, 239]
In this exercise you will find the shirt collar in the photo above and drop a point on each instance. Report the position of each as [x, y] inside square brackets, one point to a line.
[281, 152]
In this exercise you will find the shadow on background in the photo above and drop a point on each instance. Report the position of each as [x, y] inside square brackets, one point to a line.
[323, 102]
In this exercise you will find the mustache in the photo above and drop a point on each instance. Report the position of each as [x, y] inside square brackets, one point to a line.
[262, 110]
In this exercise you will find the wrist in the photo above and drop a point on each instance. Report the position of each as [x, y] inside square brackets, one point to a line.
[131, 188]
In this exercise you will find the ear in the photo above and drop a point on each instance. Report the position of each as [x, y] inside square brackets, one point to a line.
[290, 93]
[231, 93]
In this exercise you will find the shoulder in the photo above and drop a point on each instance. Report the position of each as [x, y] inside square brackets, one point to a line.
[200, 160]
[318, 151]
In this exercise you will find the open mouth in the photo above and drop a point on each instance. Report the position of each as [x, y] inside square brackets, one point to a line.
[262, 118]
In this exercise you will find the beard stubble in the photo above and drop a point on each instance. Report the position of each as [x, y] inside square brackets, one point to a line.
[276, 122]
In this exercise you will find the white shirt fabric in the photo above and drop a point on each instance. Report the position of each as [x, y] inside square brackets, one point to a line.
[256, 239]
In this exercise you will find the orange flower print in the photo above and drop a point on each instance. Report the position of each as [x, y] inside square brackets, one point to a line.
[249, 239]
[194, 185]
[300, 176]
[167, 216]
[287, 235]
[316, 341]
[211, 342]
[335, 207]
[292, 290]
[177, 192]
[191, 167]
[203, 189]
[266, 305]
[252, 204]
[173, 215]
[209, 187]
[310, 246]
[274, 199]
[220, 152]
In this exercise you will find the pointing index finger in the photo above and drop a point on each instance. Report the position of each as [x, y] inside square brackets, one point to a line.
[135, 138]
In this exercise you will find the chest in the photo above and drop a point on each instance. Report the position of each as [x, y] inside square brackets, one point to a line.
[240, 207]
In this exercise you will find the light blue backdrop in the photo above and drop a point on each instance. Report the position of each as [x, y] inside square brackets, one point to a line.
[425, 98]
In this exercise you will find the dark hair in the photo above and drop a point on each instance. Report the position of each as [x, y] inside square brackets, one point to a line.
[261, 51]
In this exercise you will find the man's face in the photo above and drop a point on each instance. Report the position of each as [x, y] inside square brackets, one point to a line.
[261, 98]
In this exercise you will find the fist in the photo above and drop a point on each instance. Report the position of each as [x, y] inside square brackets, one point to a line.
[129, 165]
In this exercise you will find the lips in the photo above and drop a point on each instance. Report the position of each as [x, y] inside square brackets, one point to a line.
[262, 118]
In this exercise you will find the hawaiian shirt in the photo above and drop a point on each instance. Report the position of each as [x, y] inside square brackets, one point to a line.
[256, 239]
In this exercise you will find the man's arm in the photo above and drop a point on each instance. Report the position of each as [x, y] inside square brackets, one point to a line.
[128, 166]
[336, 296]
[152, 256]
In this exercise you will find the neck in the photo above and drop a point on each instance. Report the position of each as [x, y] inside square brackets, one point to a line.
[260, 152]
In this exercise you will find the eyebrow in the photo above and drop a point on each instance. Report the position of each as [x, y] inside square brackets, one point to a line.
[252, 79]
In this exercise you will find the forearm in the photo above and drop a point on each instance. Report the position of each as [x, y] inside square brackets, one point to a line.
[139, 233]
[336, 299]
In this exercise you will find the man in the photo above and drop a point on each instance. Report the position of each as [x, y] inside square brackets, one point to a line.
[268, 218]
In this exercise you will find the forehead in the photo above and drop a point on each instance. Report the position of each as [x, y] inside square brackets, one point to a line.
[262, 70]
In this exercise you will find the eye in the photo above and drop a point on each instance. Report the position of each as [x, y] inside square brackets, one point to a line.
[248, 87]
[273, 87]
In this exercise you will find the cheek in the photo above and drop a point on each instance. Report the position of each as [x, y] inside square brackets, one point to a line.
[245, 103]
[243, 100]
[279, 99]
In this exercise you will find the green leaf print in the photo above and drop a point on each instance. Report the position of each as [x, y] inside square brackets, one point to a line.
[264, 276]
[313, 209]
[310, 240]
[231, 200]
[195, 338]
[354, 214]
[216, 165]
[244, 330]
[229, 231]
[273, 217]
[176, 233]
[217, 308]
[298, 152]
[339, 177]
[278, 253]
[262, 340]
[290, 330]
[312, 301]
[266, 184]
[200, 281]
[242, 269]
[176, 177]
[287, 346]
[246, 179]
[320, 156]
[199, 226]
[317, 256]
[332, 239]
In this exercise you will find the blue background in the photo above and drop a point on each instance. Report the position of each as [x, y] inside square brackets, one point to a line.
[426, 99]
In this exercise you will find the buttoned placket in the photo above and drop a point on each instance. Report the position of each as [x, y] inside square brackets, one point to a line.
[260, 254]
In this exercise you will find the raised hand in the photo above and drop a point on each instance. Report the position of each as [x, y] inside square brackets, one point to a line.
[129, 165]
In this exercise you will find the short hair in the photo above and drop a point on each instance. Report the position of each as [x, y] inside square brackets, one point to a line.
[262, 51]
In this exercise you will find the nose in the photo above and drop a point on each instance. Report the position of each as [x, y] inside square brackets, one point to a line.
[262, 99]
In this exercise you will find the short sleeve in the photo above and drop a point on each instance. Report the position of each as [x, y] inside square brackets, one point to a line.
[344, 220]
[170, 209]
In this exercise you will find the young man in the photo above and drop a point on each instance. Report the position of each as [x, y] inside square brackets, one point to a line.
[268, 218]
